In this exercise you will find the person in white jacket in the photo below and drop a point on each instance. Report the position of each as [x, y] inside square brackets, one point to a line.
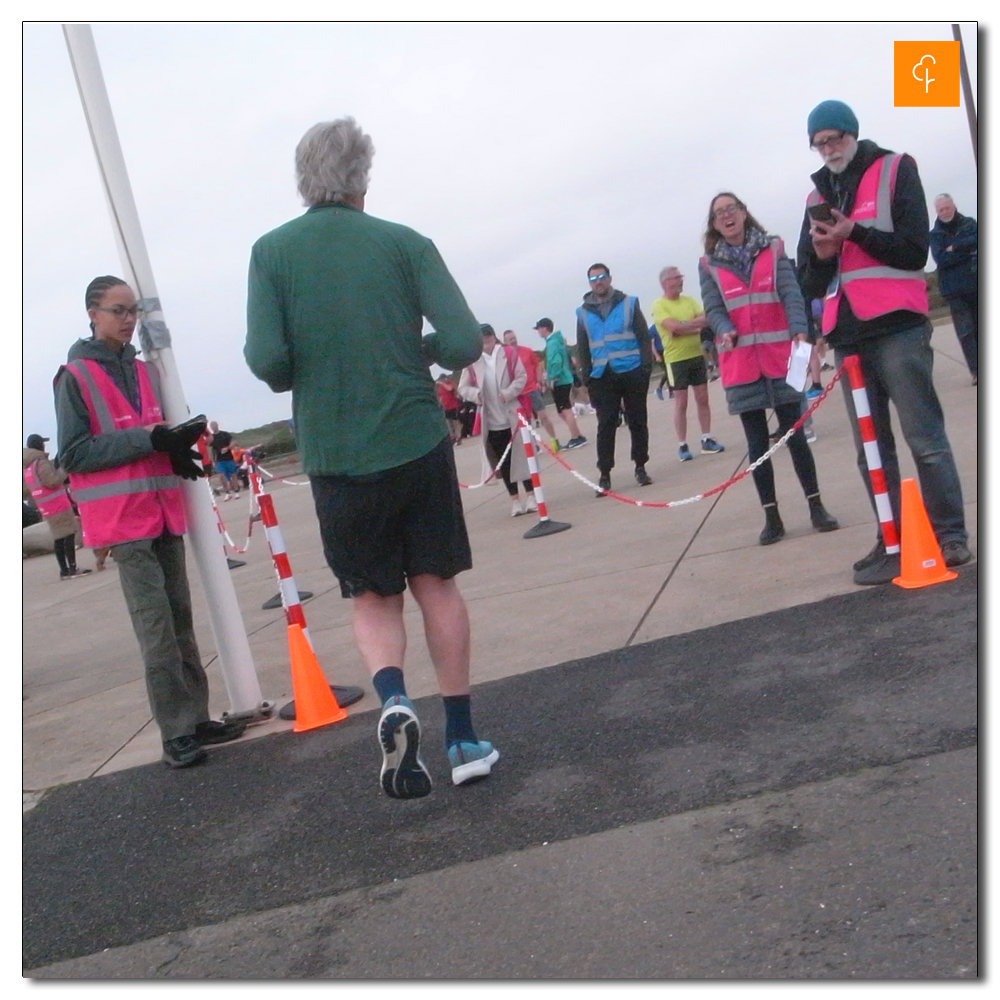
[494, 383]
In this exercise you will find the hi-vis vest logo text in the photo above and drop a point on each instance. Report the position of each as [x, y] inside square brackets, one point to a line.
[926, 74]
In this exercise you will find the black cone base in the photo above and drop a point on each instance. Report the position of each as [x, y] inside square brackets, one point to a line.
[547, 528]
[235, 563]
[275, 602]
[345, 696]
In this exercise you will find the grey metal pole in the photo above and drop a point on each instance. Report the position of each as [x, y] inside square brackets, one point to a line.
[970, 105]
[223, 609]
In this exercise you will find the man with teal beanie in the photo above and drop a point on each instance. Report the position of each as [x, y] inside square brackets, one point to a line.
[862, 250]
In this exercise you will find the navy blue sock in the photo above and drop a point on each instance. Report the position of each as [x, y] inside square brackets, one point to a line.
[458, 720]
[389, 682]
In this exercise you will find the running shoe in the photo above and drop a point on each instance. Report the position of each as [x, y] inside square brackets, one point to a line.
[684, 453]
[813, 391]
[470, 761]
[710, 446]
[517, 509]
[659, 393]
[403, 773]
[577, 442]
[530, 504]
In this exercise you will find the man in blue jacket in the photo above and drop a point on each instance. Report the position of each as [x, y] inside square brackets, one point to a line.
[616, 358]
[955, 248]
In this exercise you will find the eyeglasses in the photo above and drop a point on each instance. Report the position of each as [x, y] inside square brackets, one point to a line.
[597, 277]
[721, 213]
[120, 312]
[827, 143]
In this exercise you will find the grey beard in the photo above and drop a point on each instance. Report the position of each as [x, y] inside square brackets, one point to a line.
[846, 161]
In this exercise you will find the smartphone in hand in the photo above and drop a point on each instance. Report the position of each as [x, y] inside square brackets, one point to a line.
[821, 213]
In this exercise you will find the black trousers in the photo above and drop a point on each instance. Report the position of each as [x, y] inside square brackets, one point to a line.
[496, 444]
[755, 428]
[65, 550]
[611, 393]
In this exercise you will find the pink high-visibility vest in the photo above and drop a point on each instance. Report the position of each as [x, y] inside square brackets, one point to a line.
[872, 288]
[763, 341]
[132, 501]
[50, 500]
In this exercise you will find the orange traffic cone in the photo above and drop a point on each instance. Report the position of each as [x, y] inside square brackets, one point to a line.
[315, 704]
[920, 555]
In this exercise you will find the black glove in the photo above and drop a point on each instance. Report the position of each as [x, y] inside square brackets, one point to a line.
[185, 464]
[180, 438]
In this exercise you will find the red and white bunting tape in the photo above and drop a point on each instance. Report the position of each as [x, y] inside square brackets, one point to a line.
[780, 443]
[873, 458]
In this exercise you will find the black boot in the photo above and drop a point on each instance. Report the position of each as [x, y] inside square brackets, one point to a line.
[774, 530]
[822, 519]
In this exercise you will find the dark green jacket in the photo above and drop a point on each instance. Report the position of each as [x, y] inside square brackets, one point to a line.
[335, 311]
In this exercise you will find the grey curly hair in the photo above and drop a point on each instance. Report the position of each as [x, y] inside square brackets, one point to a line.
[332, 161]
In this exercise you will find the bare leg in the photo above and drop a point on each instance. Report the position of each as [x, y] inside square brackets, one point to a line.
[704, 412]
[446, 628]
[546, 421]
[379, 630]
[681, 414]
[570, 421]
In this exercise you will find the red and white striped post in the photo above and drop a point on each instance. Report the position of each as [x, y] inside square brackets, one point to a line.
[231, 563]
[883, 507]
[545, 525]
[279, 556]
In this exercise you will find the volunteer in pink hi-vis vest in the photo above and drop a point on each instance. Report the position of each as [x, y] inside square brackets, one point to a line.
[494, 383]
[755, 309]
[124, 463]
[46, 482]
[862, 248]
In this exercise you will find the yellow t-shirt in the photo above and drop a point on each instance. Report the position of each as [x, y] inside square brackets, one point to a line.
[682, 308]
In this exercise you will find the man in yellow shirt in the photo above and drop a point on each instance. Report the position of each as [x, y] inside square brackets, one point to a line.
[678, 321]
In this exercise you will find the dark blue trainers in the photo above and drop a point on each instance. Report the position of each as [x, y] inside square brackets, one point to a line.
[403, 773]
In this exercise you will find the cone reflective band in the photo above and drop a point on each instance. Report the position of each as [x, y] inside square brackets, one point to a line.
[279, 556]
[873, 459]
[536, 481]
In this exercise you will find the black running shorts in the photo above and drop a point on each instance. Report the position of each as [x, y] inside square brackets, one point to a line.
[683, 374]
[380, 529]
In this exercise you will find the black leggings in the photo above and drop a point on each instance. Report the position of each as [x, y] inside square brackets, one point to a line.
[65, 550]
[755, 428]
[496, 442]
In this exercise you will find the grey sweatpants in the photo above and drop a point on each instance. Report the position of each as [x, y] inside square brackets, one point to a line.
[154, 582]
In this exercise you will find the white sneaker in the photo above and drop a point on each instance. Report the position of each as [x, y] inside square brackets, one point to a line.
[517, 509]
[530, 504]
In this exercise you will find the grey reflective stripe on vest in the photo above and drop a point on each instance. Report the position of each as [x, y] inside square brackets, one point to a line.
[123, 487]
[103, 414]
[880, 271]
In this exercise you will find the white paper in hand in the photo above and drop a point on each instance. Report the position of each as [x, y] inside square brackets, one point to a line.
[798, 365]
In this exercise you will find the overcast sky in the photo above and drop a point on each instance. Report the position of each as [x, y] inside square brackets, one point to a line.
[525, 151]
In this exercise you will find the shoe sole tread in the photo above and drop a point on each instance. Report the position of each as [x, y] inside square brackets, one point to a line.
[404, 775]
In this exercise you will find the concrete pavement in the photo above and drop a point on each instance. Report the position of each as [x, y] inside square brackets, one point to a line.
[621, 576]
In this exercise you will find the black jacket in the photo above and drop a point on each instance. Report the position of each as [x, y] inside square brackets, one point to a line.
[955, 248]
[905, 248]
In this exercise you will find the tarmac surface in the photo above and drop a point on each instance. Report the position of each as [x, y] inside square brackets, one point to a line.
[718, 761]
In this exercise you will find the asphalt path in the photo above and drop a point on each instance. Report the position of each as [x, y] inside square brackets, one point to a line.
[858, 687]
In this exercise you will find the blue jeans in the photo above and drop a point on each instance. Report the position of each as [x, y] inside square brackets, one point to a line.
[899, 367]
[965, 316]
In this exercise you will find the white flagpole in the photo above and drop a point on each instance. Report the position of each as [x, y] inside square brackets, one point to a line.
[223, 609]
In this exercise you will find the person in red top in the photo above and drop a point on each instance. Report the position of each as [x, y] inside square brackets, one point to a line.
[532, 388]
[451, 404]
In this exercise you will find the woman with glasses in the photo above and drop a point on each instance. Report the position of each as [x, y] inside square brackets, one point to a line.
[755, 309]
[123, 463]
